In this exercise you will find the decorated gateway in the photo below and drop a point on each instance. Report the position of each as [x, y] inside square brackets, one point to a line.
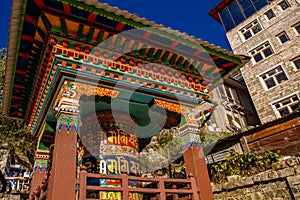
[95, 83]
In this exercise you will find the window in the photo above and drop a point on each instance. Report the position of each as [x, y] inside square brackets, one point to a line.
[226, 18]
[261, 52]
[287, 105]
[297, 28]
[283, 37]
[247, 7]
[284, 5]
[270, 14]
[236, 120]
[239, 10]
[251, 29]
[236, 12]
[296, 62]
[273, 77]
[229, 93]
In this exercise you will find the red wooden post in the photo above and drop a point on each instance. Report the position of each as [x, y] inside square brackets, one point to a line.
[194, 186]
[37, 179]
[125, 193]
[40, 170]
[82, 184]
[194, 161]
[174, 196]
[161, 186]
[63, 173]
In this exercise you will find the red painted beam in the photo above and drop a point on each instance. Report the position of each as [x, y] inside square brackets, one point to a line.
[146, 35]
[214, 57]
[19, 86]
[197, 52]
[16, 97]
[22, 72]
[15, 105]
[120, 26]
[24, 55]
[26, 37]
[92, 17]
[174, 44]
[228, 64]
[14, 113]
[40, 3]
[67, 9]
[30, 20]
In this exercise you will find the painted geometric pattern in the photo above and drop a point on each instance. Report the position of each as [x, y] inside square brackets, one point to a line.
[41, 164]
[68, 121]
[74, 90]
[190, 139]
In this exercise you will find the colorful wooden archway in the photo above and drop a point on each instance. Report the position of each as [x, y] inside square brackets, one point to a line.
[107, 53]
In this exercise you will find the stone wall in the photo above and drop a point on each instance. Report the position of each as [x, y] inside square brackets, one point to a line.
[282, 182]
[9, 197]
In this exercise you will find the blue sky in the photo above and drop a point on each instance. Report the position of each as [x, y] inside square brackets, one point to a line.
[190, 16]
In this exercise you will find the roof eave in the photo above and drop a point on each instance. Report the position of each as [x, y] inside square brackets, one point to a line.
[214, 12]
[145, 22]
[13, 35]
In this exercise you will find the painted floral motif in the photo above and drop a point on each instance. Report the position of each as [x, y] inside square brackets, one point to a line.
[74, 90]
[190, 140]
[169, 106]
[69, 90]
[68, 121]
[40, 163]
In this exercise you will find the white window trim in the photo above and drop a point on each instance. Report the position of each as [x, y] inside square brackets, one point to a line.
[294, 28]
[277, 114]
[269, 69]
[265, 14]
[259, 44]
[241, 34]
[293, 64]
[288, 3]
[239, 115]
[261, 80]
[283, 33]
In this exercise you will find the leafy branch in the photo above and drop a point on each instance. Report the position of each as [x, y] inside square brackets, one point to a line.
[244, 164]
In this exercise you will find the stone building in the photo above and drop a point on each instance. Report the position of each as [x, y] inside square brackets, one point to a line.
[236, 112]
[269, 32]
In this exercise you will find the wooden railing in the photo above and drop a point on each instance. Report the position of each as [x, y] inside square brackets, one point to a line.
[41, 191]
[18, 184]
[189, 191]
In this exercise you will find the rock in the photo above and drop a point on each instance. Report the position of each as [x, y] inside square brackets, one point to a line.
[233, 178]
[272, 175]
[286, 172]
[293, 180]
[256, 178]
[232, 185]
[264, 176]
[292, 161]
[244, 181]
[297, 169]
[281, 164]
[216, 187]
[269, 194]
[259, 196]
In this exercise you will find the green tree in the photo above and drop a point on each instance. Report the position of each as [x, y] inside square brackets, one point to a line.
[14, 134]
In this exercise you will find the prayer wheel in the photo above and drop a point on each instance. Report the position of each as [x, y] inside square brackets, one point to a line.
[111, 148]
